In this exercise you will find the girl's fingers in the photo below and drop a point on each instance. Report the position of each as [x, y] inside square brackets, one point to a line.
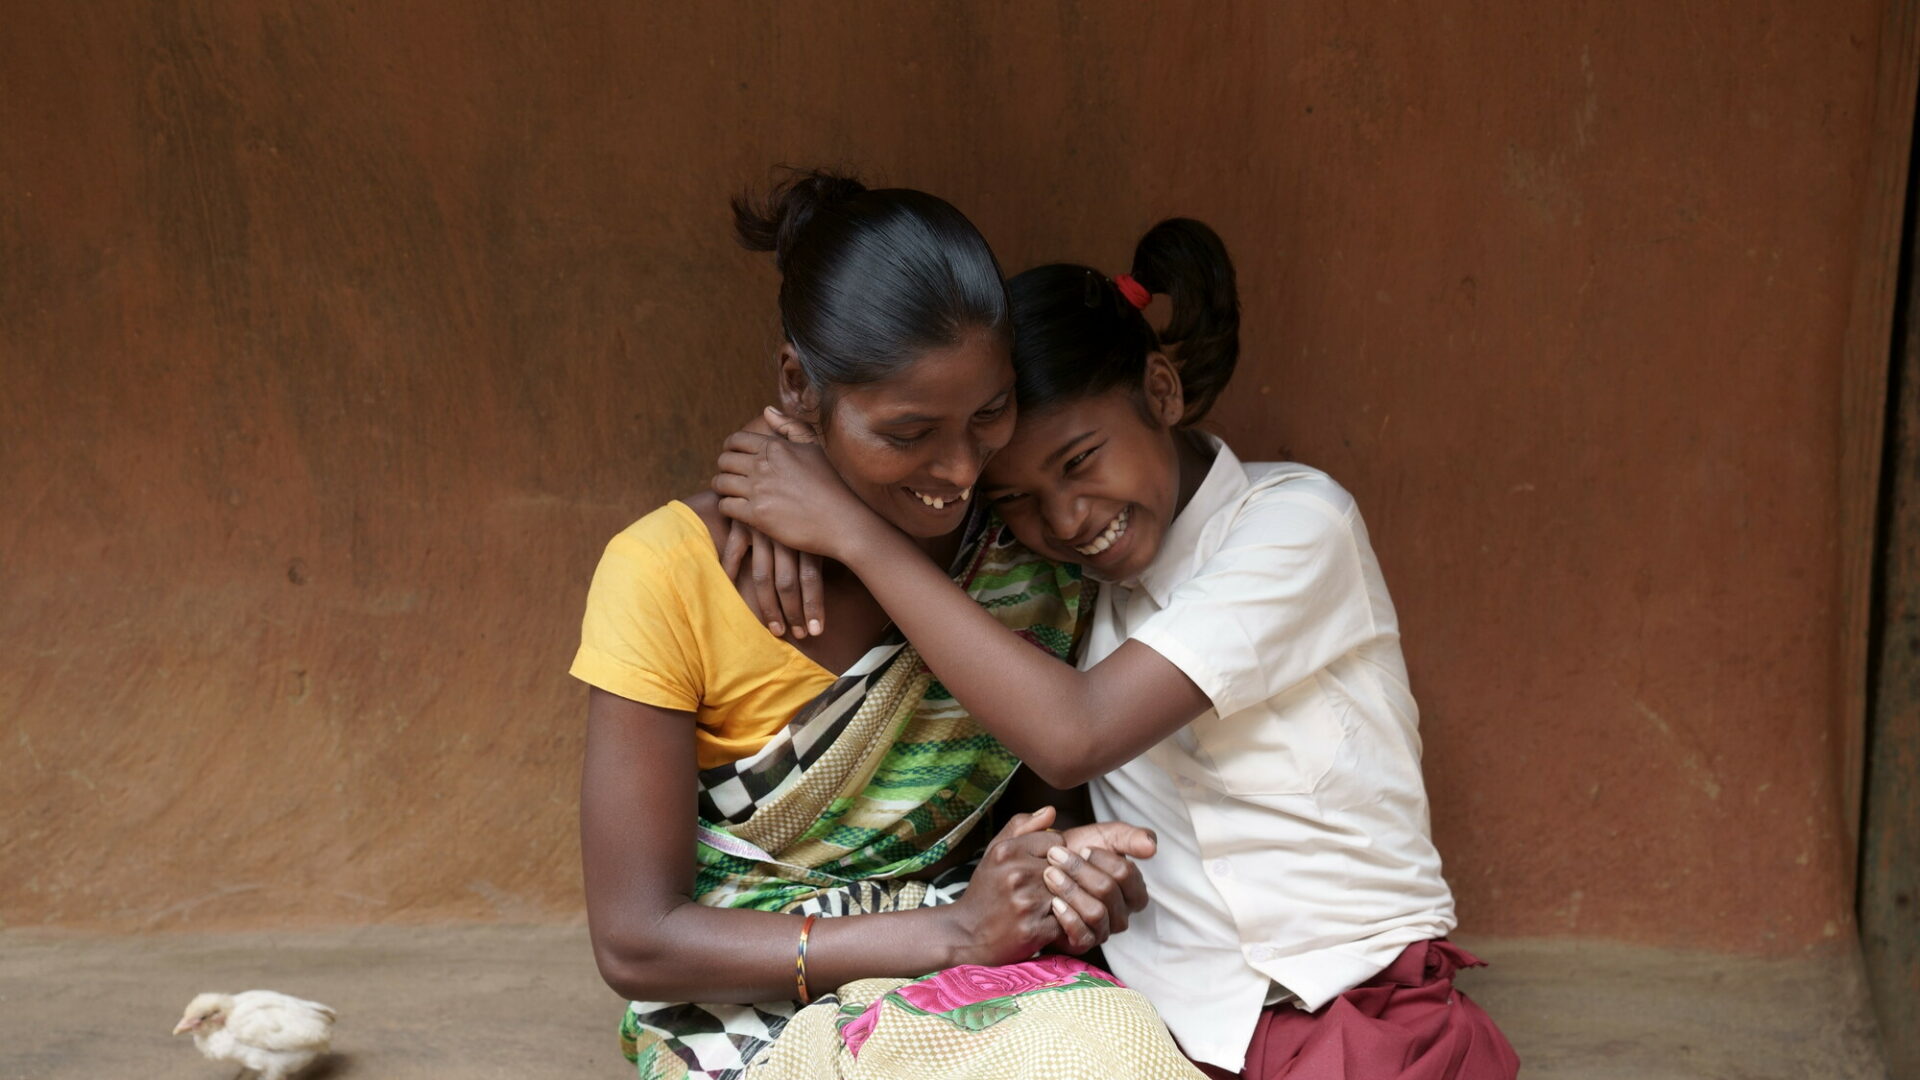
[745, 442]
[739, 538]
[763, 590]
[738, 463]
[1076, 936]
[1089, 889]
[1133, 887]
[789, 428]
[786, 584]
[813, 593]
[733, 488]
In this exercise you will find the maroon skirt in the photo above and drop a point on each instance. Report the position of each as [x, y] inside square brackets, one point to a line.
[1406, 1023]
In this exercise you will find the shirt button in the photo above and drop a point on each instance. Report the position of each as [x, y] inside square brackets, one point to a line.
[1221, 869]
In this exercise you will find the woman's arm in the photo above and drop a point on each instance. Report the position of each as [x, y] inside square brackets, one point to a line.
[1067, 725]
[652, 942]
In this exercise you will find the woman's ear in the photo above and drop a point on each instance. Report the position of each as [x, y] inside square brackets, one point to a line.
[798, 398]
[1166, 400]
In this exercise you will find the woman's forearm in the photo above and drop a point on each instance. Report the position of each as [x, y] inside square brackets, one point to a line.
[697, 953]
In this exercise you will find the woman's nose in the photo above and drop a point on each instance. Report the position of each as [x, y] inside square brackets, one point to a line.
[960, 463]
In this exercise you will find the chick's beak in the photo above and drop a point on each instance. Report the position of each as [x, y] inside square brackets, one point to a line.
[186, 1024]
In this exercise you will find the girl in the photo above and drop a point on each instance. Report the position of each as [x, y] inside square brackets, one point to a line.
[1242, 689]
[737, 786]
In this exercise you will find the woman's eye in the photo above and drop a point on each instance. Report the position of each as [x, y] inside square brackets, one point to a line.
[1002, 500]
[904, 441]
[1075, 461]
[988, 416]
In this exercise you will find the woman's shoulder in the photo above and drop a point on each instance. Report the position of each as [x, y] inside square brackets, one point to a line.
[676, 530]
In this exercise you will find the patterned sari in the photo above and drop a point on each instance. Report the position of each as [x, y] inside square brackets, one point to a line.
[879, 778]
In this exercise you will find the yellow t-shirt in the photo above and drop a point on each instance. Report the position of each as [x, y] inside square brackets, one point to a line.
[665, 627]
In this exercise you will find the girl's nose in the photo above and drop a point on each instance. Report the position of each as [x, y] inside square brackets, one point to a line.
[1064, 517]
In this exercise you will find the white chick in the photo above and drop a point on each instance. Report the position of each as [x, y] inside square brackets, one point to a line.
[272, 1034]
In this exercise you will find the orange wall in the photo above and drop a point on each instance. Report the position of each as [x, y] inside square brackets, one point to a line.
[335, 342]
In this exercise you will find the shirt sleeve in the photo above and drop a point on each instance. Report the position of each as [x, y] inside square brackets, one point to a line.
[636, 639]
[1284, 596]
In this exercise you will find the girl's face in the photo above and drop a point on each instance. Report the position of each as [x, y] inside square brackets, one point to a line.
[912, 445]
[1095, 480]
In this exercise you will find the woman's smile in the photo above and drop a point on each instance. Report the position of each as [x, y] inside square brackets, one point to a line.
[940, 499]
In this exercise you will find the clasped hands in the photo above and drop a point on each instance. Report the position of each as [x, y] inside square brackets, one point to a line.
[1038, 888]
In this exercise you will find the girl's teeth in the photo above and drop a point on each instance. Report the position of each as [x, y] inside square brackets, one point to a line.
[1105, 540]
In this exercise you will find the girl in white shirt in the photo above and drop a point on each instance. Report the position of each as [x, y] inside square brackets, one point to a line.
[1241, 691]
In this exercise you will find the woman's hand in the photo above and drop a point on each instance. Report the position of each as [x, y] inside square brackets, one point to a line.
[790, 492]
[1023, 898]
[787, 583]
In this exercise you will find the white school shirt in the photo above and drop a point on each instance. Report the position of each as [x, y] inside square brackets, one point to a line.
[1295, 856]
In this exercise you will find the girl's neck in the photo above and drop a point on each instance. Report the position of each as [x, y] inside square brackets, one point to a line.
[1196, 455]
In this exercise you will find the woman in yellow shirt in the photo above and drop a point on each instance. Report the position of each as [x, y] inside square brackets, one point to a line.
[737, 787]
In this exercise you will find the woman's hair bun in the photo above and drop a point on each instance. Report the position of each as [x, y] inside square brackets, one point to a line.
[771, 221]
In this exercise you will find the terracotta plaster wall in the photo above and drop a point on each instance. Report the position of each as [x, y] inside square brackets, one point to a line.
[336, 339]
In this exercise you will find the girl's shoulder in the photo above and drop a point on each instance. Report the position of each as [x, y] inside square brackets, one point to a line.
[1277, 484]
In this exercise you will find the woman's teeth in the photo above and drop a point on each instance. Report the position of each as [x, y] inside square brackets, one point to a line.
[1114, 530]
[940, 502]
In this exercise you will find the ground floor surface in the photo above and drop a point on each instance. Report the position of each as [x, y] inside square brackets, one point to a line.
[524, 1002]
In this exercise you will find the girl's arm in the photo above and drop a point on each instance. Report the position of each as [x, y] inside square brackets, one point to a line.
[652, 942]
[1067, 725]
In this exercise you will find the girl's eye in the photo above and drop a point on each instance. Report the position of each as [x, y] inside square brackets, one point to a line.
[988, 416]
[1002, 500]
[1075, 461]
[904, 441]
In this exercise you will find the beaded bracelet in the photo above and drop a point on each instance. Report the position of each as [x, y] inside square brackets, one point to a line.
[800, 961]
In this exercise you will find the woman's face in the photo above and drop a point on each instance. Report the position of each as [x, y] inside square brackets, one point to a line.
[1096, 480]
[912, 445]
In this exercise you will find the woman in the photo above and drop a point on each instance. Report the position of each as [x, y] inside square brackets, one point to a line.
[832, 775]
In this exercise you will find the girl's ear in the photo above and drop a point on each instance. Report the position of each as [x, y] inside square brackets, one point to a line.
[798, 398]
[1166, 400]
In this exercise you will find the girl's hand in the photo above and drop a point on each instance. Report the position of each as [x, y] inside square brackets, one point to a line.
[1081, 902]
[788, 491]
[1006, 914]
[787, 583]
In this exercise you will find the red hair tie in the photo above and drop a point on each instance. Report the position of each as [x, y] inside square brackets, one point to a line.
[1136, 293]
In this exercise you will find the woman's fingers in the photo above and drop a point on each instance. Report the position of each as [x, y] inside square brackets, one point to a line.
[813, 593]
[763, 589]
[786, 584]
[1091, 891]
[1022, 824]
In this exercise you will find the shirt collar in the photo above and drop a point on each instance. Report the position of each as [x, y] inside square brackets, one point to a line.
[1225, 482]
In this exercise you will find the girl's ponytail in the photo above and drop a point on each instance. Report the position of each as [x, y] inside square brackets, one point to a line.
[1077, 333]
[1185, 259]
